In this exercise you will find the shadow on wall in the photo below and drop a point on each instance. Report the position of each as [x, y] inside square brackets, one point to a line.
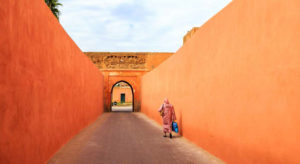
[180, 124]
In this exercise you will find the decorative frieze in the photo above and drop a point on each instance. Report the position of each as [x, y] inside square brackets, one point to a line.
[126, 60]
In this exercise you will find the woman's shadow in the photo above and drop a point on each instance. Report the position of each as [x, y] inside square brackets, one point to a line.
[180, 128]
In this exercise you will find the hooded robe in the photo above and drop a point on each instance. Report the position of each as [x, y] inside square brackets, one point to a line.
[168, 116]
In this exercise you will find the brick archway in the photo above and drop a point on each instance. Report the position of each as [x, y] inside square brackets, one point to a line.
[126, 66]
[133, 81]
[132, 92]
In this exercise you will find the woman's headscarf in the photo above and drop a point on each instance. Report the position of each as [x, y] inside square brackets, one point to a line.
[166, 101]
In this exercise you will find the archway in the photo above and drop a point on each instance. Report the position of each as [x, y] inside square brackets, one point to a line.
[122, 97]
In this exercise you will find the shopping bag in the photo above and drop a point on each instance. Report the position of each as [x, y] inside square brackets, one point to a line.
[175, 127]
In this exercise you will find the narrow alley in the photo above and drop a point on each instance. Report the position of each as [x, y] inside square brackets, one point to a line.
[129, 138]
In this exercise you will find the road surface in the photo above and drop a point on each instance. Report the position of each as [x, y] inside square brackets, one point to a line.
[129, 138]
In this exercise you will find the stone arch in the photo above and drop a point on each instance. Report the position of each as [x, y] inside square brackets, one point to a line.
[134, 81]
[132, 92]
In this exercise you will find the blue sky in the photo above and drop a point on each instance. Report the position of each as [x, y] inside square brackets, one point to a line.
[134, 25]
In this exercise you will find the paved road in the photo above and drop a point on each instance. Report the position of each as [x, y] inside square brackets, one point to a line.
[129, 138]
[121, 108]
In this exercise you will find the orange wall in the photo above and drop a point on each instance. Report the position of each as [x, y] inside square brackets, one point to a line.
[235, 84]
[117, 91]
[49, 90]
[133, 78]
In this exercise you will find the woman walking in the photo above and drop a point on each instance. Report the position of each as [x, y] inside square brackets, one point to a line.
[168, 116]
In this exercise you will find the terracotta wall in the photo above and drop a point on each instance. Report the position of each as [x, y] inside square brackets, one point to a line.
[235, 84]
[49, 90]
[154, 59]
[134, 81]
[133, 78]
[117, 91]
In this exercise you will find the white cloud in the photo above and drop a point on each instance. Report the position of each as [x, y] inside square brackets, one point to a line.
[134, 25]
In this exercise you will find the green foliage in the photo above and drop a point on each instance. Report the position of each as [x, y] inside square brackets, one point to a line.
[53, 5]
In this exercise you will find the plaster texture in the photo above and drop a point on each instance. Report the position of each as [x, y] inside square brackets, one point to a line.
[49, 90]
[235, 83]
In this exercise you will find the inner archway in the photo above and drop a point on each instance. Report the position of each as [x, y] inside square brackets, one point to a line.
[122, 97]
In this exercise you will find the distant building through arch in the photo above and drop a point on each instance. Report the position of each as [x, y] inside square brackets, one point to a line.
[122, 97]
[128, 67]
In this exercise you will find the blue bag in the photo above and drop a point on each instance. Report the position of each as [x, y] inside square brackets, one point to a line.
[175, 127]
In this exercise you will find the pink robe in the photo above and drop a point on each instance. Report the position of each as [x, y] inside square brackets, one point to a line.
[168, 117]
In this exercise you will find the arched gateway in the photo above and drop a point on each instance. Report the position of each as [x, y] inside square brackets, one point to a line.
[122, 97]
[127, 67]
[134, 84]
